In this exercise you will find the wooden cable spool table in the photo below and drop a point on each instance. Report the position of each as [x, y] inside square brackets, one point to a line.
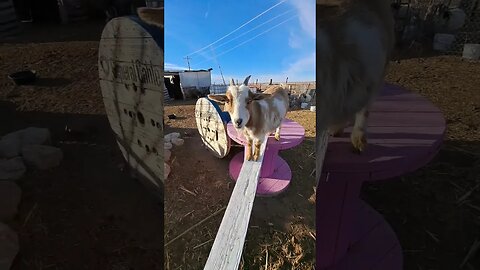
[405, 133]
[130, 66]
[275, 174]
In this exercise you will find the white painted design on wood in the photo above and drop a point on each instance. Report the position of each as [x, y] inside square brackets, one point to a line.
[212, 129]
[227, 249]
[130, 65]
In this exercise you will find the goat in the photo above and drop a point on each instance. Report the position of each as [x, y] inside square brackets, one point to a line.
[255, 114]
[355, 39]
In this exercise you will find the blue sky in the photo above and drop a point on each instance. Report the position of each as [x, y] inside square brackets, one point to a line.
[276, 44]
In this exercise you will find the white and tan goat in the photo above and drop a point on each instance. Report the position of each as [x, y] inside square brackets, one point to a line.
[257, 115]
[354, 41]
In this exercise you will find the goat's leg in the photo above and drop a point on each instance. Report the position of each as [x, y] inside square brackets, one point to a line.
[337, 129]
[277, 134]
[358, 137]
[248, 150]
[256, 152]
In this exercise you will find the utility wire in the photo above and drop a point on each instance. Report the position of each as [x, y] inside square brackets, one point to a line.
[258, 26]
[241, 26]
[248, 40]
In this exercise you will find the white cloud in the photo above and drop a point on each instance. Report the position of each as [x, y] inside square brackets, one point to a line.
[306, 12]
[294, 41]
[303, 65]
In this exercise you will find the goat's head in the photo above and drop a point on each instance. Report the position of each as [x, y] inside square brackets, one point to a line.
[237, 102]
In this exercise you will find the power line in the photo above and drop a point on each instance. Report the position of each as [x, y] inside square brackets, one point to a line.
[248, 40]
[258, 26]
[241, 26]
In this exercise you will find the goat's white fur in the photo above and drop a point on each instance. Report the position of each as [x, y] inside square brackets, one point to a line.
[255, 115]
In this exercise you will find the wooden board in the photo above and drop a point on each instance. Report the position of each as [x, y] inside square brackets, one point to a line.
[405, 131]
[130, 65]
[227, 249]
[211, 125]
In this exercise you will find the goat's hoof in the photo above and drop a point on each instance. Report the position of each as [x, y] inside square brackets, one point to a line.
[277, 137]
[336, 133]
[359, 141]
[248, 156]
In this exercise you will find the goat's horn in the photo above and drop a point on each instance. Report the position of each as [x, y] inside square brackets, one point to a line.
[232, 82]
[246, 80]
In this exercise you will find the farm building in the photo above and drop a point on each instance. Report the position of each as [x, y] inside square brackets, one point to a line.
[187, 84]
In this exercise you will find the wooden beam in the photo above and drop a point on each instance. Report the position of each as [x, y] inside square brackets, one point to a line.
[227, 249]
[321, 143]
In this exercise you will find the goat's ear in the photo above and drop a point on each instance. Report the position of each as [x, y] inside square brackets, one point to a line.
[260, 96]
[245, 82]
[232, 82]
[153, 16]
[218, 98]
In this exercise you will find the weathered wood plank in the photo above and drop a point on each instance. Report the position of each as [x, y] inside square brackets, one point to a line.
[227, 249]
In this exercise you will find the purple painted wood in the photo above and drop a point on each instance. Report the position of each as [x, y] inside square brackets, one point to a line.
[291, 135]
[270, 185]
[401, 138]
[275, 174]
[376, 248]
[337, 199]
[405, 132]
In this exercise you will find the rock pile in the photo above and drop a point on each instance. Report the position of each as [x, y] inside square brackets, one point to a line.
[19, 150]
[170, 140]
[27, 147]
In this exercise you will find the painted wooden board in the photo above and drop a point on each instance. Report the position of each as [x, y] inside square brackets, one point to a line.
[211, 125]
[405, 130]
[130, 65]
[275, 175]
[274, 183]
[376, 248]
[227, 248]
[291, 135]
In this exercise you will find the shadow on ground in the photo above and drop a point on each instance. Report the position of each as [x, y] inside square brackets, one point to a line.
[435, 210]
[87, 211]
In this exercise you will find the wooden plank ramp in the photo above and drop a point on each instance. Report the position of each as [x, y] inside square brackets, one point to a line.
[227, 248]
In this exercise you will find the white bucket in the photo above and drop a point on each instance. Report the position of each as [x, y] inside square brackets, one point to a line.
[312, 108]
[471, 51]
[442, 42]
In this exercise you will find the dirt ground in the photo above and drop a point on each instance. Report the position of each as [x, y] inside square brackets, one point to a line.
[280, 226]
[88, 214]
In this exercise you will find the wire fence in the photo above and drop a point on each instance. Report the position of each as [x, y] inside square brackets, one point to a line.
[420, 20]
